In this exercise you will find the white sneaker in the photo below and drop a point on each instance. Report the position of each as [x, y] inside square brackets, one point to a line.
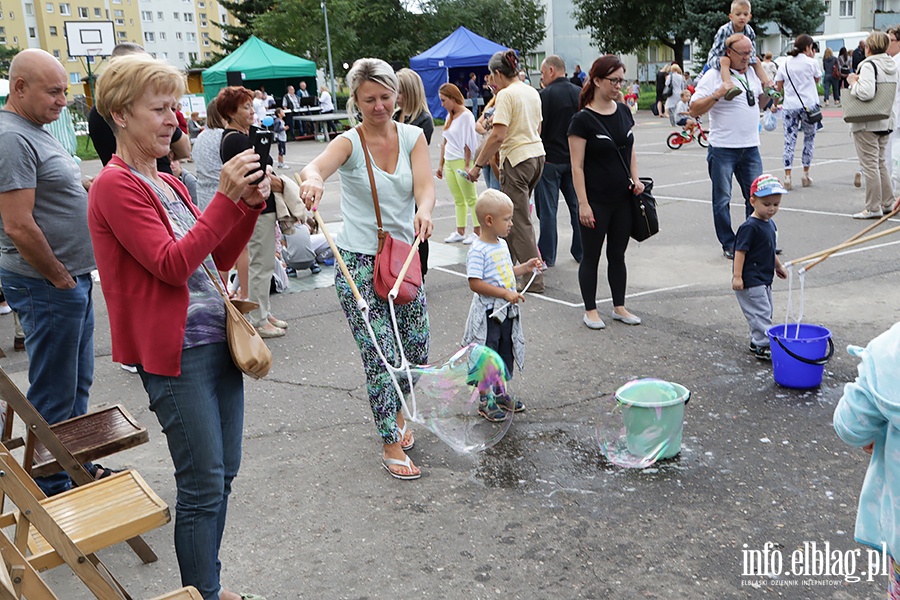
[129, 368]
[454, 238]
[469, 239]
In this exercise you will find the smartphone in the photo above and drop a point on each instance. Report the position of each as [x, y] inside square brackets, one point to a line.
[262, 143]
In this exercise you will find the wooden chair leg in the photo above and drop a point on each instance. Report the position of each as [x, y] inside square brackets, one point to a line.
[143, 550]
[24, 579]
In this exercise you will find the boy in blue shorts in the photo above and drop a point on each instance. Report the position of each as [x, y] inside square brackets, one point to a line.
[739, 19]
[755, 261]
[492, 277]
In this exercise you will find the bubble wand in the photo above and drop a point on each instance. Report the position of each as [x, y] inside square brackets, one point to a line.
[823, 254]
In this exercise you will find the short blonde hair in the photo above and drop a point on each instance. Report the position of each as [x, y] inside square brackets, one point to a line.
[740, 4]
[877, 42]
[490, 201]
[369, 69]
[116, 90]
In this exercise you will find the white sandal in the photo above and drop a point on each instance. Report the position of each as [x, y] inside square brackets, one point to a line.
[387, 463]
[403, 431]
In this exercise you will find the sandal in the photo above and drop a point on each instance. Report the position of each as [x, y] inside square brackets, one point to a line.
[404, 431]
[387, 463]
[733, 93]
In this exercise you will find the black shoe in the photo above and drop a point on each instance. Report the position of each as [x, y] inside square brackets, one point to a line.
[290, 272]
[315, 268]
[761, 352]
[728, 254]
[777, 251]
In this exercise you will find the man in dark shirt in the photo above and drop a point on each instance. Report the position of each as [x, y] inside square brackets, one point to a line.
[474, 93]
[559, 101]
[105, 141]
[859, 54]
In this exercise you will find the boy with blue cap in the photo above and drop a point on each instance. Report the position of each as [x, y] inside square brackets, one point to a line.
[755, 261]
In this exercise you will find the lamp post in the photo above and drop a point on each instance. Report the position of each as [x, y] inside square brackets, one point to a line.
[328, 43]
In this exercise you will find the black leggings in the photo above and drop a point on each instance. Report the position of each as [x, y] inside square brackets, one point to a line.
[612, 222]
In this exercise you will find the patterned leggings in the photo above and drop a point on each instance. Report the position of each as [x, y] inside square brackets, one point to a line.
[894, 581]
[412, 321]
[792, 126]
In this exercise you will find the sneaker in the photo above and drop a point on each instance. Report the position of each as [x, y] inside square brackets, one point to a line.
[469, 239]
[5, 309]
[488, 409]
[868, 214]
[510, 404]
[130, 368]
[857, 179]
[315, 268]
[761, 352]
[685, 135]
[454, 238]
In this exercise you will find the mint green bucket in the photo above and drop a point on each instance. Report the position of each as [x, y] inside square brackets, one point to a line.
[653, 411]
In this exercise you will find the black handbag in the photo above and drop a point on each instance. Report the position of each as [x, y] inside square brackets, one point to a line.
[644, 218]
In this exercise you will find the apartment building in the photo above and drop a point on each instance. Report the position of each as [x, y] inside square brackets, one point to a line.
[178, 31]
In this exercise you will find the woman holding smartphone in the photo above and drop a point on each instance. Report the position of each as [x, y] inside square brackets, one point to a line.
[235, 105]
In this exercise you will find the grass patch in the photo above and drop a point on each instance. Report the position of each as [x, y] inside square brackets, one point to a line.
[85, 150]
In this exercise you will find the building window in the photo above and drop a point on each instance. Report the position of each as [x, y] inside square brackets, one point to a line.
[879, 5]
[71, 58]
[83, 12]
[181, 56]
[31, 32]
[146, 16]
[177, 16]
[192, 56]
[120, 22]
[97, 13]
[75, 78]
[162, 36]
[190, 36]
[53, 30]
[56, 54]
[847, 8]
[64, 9]
[122, 35]
[149, 37]
[29, 9]
[178, 35]
[50, 7]
[3, 39]
[160, 16]
[188, 17]
[201, 4]
[165, 56]
[205, 35]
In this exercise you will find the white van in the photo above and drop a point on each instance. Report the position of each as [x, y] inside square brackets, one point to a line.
[836, 41]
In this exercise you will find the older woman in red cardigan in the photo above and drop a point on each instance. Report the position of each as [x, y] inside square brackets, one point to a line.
[166, 315]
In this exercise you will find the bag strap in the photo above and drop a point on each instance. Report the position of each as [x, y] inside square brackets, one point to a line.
[791, 81]
[365, 149]
[216, 282]
[609, 135]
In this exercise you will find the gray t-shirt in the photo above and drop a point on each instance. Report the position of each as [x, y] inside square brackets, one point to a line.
[33, 159]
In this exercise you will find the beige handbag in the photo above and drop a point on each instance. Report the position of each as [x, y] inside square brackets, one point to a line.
[878, 108]
[248, 350]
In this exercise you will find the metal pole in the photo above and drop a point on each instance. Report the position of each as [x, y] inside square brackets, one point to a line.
[330, 65]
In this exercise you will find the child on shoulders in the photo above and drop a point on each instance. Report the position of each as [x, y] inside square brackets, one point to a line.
[492, 277]
[739, 19]
[755, 261]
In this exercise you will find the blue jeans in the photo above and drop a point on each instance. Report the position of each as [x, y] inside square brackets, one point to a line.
[556, 178]
[490, 180]
[202, 415]
[59, 339]
[745, 164]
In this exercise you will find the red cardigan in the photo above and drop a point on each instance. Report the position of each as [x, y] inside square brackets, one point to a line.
[144, 269]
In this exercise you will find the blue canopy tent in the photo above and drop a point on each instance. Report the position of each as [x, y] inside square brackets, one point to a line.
[460, 49]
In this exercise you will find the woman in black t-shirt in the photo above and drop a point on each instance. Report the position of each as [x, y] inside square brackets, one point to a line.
[600, 138]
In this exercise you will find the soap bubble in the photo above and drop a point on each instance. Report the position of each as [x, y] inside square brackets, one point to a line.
[644, 424]
[446, 398]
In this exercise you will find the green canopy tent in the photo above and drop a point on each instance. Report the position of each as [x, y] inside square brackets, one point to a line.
[261, 64]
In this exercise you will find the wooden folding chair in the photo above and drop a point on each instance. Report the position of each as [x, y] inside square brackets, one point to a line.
[69, 527]
[69, 444]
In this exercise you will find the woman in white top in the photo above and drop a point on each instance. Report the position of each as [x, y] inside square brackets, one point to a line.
[797, 78]
[402, 175]
[457, 154]
[676, 79]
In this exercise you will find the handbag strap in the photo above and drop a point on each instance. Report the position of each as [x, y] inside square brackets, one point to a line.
[791, 81]
[216, 282]
[365, 149]
[609, 135]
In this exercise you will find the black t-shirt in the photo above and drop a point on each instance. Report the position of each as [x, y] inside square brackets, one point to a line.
[423, 122]
[105, 141]
[605, 179]
[233, 143]
[559, 101]
[757, 238]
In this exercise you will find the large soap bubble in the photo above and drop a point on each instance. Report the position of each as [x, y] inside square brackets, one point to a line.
[446, 398]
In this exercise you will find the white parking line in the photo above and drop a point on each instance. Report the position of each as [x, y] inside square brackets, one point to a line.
[547, 298]
[808, 211]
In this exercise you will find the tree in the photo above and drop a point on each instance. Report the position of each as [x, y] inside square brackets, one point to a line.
[246, 12]
[7, 53]
[624, 26]
[517, 24]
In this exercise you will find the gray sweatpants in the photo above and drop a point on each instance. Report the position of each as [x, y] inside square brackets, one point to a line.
[756, 302]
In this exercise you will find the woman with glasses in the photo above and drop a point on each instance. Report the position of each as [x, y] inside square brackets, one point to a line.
[600, 138]
[516, 134]
[796, 79]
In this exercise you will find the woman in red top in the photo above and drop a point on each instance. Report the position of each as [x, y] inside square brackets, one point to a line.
[165, 313]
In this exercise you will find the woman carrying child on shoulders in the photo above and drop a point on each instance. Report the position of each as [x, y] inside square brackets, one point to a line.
[600, 138]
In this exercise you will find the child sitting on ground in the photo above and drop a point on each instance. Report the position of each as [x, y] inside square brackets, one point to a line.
[755, 261]
[492, 277]
[739, 19]
[280, 136]
[867, 417]
[683, 115]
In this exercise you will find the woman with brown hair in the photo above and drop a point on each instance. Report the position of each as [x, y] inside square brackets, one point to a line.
[600, 138]
[457, 153]
[516, 134]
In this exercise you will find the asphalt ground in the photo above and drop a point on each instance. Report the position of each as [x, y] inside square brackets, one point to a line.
[543, 514]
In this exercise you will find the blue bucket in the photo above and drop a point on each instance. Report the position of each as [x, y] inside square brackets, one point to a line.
[799, 354]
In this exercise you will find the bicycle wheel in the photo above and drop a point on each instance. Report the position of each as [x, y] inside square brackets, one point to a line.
[702, 139]
[674, 141]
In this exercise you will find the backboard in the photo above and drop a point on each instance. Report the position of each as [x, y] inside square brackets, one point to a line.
[90, 38]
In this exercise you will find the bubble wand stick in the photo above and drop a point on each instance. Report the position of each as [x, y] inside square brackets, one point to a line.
[854, 238]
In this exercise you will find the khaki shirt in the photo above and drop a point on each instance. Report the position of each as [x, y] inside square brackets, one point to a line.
[518, 106]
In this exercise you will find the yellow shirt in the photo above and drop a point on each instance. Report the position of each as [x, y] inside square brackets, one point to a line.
[518, 106]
